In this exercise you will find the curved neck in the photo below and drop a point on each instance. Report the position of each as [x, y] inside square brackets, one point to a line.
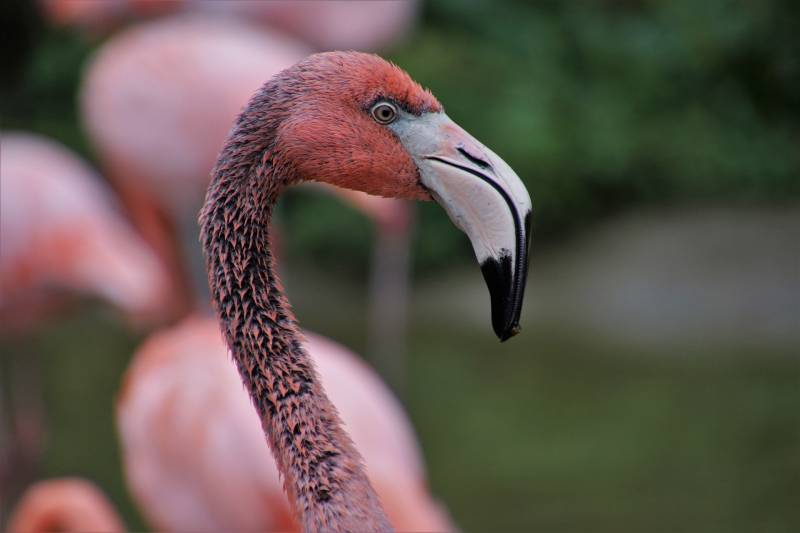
[323, 473]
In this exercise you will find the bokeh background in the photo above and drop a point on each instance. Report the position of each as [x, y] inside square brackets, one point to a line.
[656, 385]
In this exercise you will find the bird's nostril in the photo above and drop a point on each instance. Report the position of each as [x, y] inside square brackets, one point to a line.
[477, 160]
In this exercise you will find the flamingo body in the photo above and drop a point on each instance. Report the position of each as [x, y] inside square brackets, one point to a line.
[348, 25]
[194, 451]
[67, 504]
[327, 25]
[61, 231]
[159, 98]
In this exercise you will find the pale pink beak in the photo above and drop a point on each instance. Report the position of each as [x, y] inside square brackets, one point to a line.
[485, 199]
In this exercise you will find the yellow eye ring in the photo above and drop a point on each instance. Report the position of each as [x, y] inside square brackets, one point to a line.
[383, 112]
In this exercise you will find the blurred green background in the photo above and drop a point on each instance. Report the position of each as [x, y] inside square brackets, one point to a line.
[625, 118]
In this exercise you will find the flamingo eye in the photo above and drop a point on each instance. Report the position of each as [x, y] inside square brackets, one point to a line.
[383, 112]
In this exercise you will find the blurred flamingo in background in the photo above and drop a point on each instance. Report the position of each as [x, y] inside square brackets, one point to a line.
[67, 504]
[325, 24]
[328, 25]
[193, 448]
[61, 232]
[100, 17]
[61, 236]
[157, 102]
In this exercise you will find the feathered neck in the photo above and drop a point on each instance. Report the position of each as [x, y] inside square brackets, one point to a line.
[323, 473]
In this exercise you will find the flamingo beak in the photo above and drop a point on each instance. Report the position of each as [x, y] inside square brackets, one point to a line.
[485, 199]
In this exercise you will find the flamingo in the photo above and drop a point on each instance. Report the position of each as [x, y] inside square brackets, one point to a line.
[157, 103]
[65, 504]
[359, 122]
[186, 424]
[62, 232]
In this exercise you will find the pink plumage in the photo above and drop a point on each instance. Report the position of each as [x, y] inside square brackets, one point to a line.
[65, 504]
[326, 24]
[158, 100]
[193, 448]
[61, 230]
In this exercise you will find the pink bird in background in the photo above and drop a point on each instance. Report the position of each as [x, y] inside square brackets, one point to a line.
[193, 448]
[325, 24]
[157, 101]
[67, 504]
[62, 233]
[328, 25]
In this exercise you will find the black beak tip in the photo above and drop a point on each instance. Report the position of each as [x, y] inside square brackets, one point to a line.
[505, 314]
[511, 331]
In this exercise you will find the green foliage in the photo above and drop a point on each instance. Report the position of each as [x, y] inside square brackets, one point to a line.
[44, 97]
[598, 106]
[339, 236]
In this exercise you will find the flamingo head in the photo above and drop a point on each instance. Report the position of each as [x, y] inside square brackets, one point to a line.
[357, 121]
